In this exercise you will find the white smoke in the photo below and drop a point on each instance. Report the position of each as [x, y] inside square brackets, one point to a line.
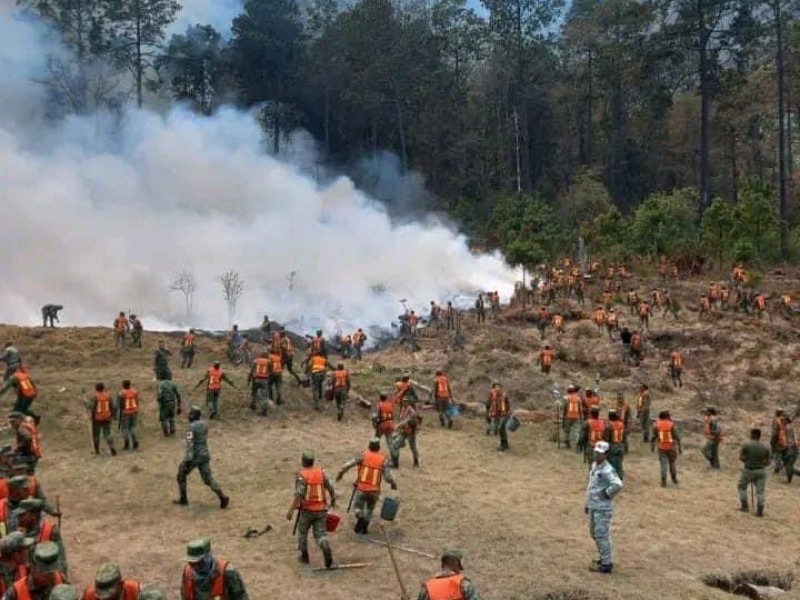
[100, 214]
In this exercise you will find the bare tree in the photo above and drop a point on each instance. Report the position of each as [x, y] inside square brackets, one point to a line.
[232, 288]
[291, 278]
[184, 282]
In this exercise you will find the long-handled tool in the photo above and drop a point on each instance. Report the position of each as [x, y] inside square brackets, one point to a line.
[352, 495]
[404, 549]
[752, 497]
[344, 566]
[296, 521]
[403, 591]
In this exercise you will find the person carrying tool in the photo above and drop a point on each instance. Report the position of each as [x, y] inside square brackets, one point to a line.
[443, 397]
[572, 415]
[406, 430]
[287, 355]
[500, 411]
[373, 468]
[450, 583]
[187, 350]
[383, 419]
[169, 405]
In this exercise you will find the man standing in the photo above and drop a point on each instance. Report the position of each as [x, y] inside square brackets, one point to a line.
[121, 327]
[109, 585]
[373, 468]
[161, 362]
[604, 484]
[197, 457]
[101, 410]
[450, 316]
[169, 405]
[500, 409]
[213, 380]
[50, 313]
[665, 434]
[311, 485]
[617, 438]
[443, 396]
[676, 367]
[275, 378]
[450, 582]
[207, 577]
[128, 410]
[359, 337]
[341, 389]
[136, 331]
[406, 430]
[480, 308]
[187, 350]
[755, 458]
[713, 434]
[26, 392]
[643, 411]
[571, 416]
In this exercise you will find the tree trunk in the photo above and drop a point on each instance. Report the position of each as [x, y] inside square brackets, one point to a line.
[705, 114]
[590, 113]
[401, 131]
[327, 121]
[276, 131]
[783, 203]
[139, 65]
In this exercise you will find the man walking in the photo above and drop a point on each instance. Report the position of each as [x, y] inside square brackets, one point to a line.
[169, 405]
[604, 485]
[213, 380]
[161, 362]
[755, 459]
[198, 457]
[101, 410]
[666, 435]
[713, 434]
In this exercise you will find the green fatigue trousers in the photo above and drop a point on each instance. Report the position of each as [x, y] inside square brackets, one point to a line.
[644, 423]
[23, 405]
[441, 408]
[668, 459]
[500, 427]
[675, 374]
[314, 521]
[187, 466]
[399, 441]
[317, 381]
[103, 427]
[341, 401]
[166, 416]
[789, 459]
[616, 454]
[164, 374]
[212, 403]
[259, 394]
[758, 478]
[364, 504]
[130, 431]
[572, 429]
[600, 530]
[274, 387]
[187, 358]
[711, 452]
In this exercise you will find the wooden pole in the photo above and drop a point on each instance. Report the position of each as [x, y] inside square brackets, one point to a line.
[411, 550]
[345, 566]
[403, 592]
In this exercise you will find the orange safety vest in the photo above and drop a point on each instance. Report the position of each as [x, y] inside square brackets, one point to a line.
[401, 389]
[25, 386]
[318, 364]
[640, 403]
[102, 407]
[445, 588]
[36, 441]
[546, 358]
[370, 471]
[498, 403]
[761, 302]
[21, 586]
[130, 401]
[781, 428]
[261, 370]
[644, 310]
[188, 341]
[276, 363]
[286, 346]
[612, 319]
[316, 346]
[340, 379]
[599, 316]
[617, 432]
[276, 343]
[214, 379]
[664, 429]
[120, 324]
[707, 431]
[573, 406]
[217, 586]
[597, 430]
[677, 360]
[385, 416]
[558, 321]
[358, 338]
[411, 425]
[314, 500]
[442, 388]
[45, 532]
[636, 342]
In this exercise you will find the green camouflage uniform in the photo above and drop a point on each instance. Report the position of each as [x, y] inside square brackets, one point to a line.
[711, 449]
[161, 364]
[312, 520]
[232, 581]
[34, 507]
[604, 484]
[197, 457]
[756, 458]
[364, 502]
[616, 450]
[44, 560]
[169, 404]
[406, 430]
[22, 404]
[468, 591]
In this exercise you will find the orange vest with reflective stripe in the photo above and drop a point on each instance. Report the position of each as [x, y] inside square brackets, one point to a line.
[370, 471]
[276, 343]
[401, 389]
[217, 586]
[445, 588]
[102, 407]
[664, 429]
[318, 364]
[677, 360]
[498, 403]
[25, 387]
[130, 591]
[188, 340]
[23, 592]
[130, 401]
[261, 369]
[286, 346]
[45, 532]
[385, 416]
[316, 346]
[573, 406]
[214, 379]
[314, 500]
[275, 363]
[442, 388]
[340, 378]
[597, 430]
[617, 431]
[546, 358]
[36, 441]
[120, 324]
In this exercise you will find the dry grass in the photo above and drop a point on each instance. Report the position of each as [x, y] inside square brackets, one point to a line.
[518, 516]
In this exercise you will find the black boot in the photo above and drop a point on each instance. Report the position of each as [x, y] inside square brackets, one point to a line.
[303, 558]
[759, 511]
[663, 482]
[416, 463]
[357, 528]
[97, 448]
[126, 445]
[182, 501]
[136, 445]
[326, 552]
[365, 526]
[745, 507]
[224, 500]
[396, 463]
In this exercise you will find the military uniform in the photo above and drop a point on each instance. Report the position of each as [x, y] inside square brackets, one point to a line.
[161, 364]
[317, 366]
[213, 380]
[373, 468]
[449, 583]
[665, 435]
[617, 438]
[571, 416]
[21, 487]
[643, 413]
[127, 408]
[14, 561]
[136, 331]
[45, 568]
[406, 431]
[443, 397]
[25, 390]
[208, 578]
[755, 457]
[309, 496]
[28, 447]
[604, 484]
[197, 456]
[50, 313]
[713, 435]
[109, 585]
[28, 519]
[187, 350]
[102, 411]
[152, 592]
[341, 390]
[500, 412]
[169, 405]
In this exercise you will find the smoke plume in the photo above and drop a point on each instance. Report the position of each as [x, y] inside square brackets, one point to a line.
[101, 213]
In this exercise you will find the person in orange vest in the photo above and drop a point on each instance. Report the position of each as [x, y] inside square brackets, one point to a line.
[102, 410]
[778, 440]
[275, 379]
[287, 355]
[612, 322]
[633, 301]
[20, 486]
[590, 401]
[558, 324]
[643, 411]
[545, 360]
[494, 304]
[760, 304]
[30, 521]
[712, 431]
[542, 321]
[205, 576]
[617, 438]
[346, 346]
[310, 488]
[359, 337]
[43, 576]
[28, 444]
[383, 419]
[724, 297]
[599, 319]
[127, 408]
[14, 558]
[644, 314]
[316, 367]
[637, 346]
[676, 367]
[275, 343]
[755, 458]
[26, 392]
[188, 350]
[665, 435]
[704, 307]
[593, 431]
[450, 583]
[341, 389]
[572, 415]
[109, 585]
[373, 468]
[500, 411]
[318, 346]
[257, 379]
[443, 397]
[406, 430]
[121, 327]
[607, 300]
[213, 380]
[603, 486]
[624, 411]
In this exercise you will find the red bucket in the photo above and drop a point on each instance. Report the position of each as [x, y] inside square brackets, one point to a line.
[332, 521]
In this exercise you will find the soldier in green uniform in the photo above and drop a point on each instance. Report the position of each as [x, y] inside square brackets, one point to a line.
[373, 468]
[161, 362]
[14, 551]
[109, 585]
[44, 575]
[169, 405]
[198, 457]
[136, 331]
[208, 578]
[310, 488]
[28, 519]
[450, 582]
[406, 431]
[713, 434]
[755, 458]
[64, 592]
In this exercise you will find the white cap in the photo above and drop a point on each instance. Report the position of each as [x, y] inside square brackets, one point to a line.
[601, 447]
